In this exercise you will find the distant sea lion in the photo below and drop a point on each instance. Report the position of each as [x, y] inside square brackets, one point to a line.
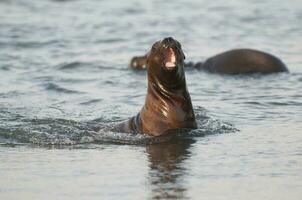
[243, 61]
[168, 104]
[237, 61]
[138, 62]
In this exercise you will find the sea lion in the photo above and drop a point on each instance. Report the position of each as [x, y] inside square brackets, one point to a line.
[168, 104]
[242, 61]
[236, 61]
[138, 62]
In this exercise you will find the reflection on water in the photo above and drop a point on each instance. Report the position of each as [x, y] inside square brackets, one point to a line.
[167, 170]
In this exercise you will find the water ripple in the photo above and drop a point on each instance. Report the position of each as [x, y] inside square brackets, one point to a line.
[48, 131]
[71, 65]
[93, 101]
[57, 88]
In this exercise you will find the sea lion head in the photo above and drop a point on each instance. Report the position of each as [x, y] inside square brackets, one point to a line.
[138, 62]
[165, 63]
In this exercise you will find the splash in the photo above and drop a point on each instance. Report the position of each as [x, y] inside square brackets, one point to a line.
[68, 132]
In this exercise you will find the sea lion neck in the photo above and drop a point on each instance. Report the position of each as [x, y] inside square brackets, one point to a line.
[165, 74]
[169, 107]
[158, 87]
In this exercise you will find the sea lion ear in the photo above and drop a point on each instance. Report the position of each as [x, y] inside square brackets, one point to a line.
[184, 56]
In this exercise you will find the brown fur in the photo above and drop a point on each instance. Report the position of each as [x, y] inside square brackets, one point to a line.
[243, 61]
[138, 62]
[168, 104]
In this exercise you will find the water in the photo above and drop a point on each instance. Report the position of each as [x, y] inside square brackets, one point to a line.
[63, 75]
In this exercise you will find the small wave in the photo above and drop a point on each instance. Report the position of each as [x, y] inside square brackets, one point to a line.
[252, 103]
[287, 103]
[63, 1]
[274, 103]
[12, 94]
[56, 88]
[66, 66]
[108, 41]
[134, 10]
[71, 65]
[93, 101]
[33, 44]
[76, 80]
[5, 68]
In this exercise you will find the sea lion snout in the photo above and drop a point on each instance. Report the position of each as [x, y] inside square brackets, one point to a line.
[170, 58]
[170, 42]
[169, 53]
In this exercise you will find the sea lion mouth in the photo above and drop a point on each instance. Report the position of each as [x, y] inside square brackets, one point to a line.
[169, 58]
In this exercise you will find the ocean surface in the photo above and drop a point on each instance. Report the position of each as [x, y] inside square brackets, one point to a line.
[64, 74]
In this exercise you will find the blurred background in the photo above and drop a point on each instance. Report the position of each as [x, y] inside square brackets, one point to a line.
[113, 31]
